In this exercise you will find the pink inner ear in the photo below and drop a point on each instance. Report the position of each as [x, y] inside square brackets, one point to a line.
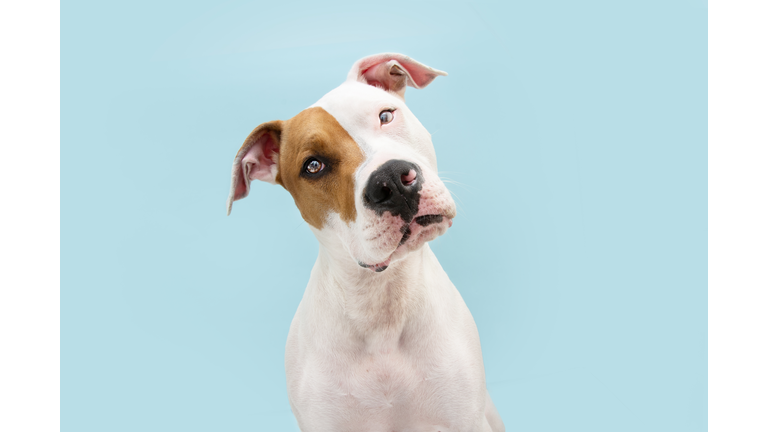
[256, 164]
[393, 72]
[389, 75]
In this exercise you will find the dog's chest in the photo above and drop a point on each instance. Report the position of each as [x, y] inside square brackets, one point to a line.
[395, 390]
[349, 370]
[386, 381]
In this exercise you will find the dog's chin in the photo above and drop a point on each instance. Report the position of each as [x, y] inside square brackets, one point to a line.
[420, 231]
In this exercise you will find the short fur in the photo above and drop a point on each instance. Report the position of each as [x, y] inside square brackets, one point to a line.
[382, 340]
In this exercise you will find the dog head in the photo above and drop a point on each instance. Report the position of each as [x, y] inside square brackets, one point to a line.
[359, 165]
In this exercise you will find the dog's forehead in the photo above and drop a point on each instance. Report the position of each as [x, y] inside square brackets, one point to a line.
[356, 106]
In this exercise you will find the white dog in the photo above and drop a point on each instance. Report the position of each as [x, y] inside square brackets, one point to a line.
[382, 341]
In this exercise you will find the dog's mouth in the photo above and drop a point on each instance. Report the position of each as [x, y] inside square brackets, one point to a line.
[424, 220]
[417, 224]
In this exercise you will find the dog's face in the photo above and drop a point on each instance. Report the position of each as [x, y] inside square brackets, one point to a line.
[359, 165]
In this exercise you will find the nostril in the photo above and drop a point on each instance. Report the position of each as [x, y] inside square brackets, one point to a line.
[378, 194]
[408, 179]
[386, 193]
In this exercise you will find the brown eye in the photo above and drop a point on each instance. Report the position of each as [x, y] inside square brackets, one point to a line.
[386, 116]
[314, 166]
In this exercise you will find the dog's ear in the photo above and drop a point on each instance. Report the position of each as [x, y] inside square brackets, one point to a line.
[392, 72]
[256, 160]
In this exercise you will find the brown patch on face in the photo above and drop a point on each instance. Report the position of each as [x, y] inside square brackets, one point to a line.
[314, 133]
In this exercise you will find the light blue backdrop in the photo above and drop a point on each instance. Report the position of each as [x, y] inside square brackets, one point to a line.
[576, 133]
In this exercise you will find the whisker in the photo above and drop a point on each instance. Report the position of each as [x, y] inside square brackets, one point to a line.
[464, 185]
[459, 204]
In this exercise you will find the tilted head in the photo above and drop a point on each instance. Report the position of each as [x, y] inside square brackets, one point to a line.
[359, 165]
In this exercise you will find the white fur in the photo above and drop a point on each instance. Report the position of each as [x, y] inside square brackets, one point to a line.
[396, 350]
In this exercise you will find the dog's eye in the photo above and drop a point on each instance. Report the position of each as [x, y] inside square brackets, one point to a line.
[314, 166]
[386, 116]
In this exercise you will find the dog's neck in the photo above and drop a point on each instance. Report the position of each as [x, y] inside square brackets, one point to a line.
[377, 306]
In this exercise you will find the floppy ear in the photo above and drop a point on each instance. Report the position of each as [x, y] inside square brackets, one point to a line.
[393, 72]
[256, 160]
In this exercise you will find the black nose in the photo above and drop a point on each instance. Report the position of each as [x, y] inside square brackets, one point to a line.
[394, 187]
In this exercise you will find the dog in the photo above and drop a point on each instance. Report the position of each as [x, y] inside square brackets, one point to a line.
[382, 340]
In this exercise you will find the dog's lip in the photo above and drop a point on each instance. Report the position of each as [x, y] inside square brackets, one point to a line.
[423, 221]
[380, 267]
[429, 219]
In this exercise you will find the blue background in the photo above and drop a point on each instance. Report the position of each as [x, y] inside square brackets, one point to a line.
[575, 133]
